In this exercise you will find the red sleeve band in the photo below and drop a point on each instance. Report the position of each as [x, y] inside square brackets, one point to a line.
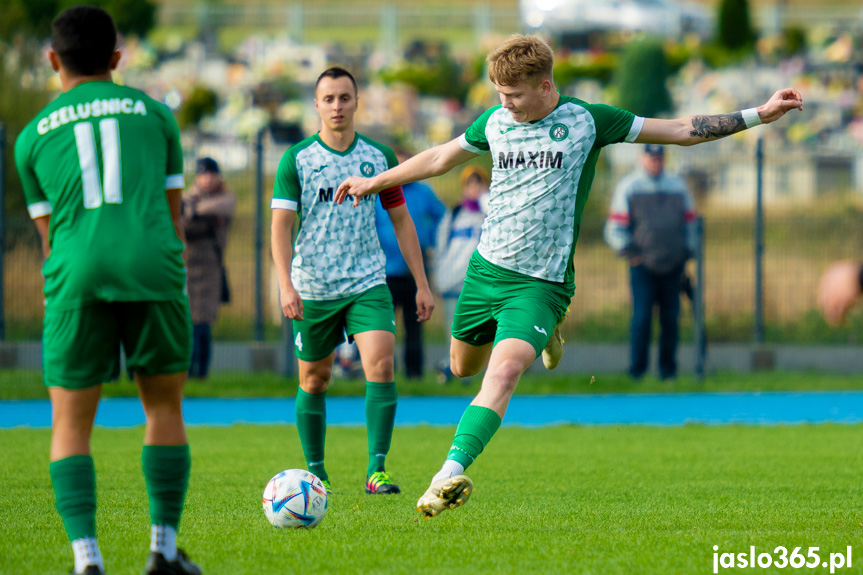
[392, 197]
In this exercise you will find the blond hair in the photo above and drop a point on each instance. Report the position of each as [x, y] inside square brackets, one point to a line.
[519, 59]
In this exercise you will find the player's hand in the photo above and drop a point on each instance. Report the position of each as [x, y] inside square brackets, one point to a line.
[354, 186]
[425, 304]
[292, 303]
[782, 101]
[839, 290]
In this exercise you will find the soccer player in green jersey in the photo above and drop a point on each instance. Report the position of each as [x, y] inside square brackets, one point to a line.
[102, 172]
[332, 280]
[520, 280]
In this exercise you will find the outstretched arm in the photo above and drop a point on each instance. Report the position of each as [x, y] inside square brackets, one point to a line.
[693, 130]
[433, 162]
[409, 244]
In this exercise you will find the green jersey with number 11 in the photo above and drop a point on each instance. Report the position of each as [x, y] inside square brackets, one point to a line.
[98, 161]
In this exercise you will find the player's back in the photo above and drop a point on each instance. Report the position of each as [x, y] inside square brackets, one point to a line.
[99, 159]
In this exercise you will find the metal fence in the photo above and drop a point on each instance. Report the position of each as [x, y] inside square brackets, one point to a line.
[384, 23]
[809, 219]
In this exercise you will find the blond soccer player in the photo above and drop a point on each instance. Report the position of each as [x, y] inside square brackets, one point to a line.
[520, 280]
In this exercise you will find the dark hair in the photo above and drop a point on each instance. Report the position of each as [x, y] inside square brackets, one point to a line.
[206, 165]
[336, 72]
[84, 38]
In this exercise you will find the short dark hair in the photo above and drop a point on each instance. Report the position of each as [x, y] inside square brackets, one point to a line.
[336, 72]
[207, 165]
[85, 38]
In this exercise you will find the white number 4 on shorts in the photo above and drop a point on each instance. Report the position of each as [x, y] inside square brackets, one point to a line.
[299, 341]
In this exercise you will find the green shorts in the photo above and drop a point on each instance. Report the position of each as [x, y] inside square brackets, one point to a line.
[497, 304]
[327, 322]
[81, 347]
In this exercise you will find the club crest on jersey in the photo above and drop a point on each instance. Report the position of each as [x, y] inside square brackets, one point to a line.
[367, 169]
[558, 132]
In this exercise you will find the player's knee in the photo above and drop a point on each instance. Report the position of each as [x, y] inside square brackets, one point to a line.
[461, 369]
[506, 374]
[379, 369]
[317, 382]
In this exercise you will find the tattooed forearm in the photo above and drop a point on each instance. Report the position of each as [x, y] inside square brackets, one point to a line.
[718, 126]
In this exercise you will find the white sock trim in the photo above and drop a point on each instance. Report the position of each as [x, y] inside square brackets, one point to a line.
[450, 468]
[163, 539]
[87, 552]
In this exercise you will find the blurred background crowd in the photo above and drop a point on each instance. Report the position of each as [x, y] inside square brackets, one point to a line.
[240, 76]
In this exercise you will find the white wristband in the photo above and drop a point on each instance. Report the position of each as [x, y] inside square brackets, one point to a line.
[751, 117]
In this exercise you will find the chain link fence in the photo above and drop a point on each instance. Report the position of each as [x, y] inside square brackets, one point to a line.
[811, 218]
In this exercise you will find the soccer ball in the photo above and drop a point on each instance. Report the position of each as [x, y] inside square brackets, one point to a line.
[295, 499]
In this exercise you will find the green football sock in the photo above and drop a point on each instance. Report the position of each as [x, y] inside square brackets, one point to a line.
[477, 426]
[381, 401]
[166, 473]
[312, 427]
[74, 481]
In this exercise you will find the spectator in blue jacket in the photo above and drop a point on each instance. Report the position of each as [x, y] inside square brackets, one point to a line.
[426, 210]
[652, 223]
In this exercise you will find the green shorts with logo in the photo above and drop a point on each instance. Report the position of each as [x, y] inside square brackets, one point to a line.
[81, 347]
[497, 304]
[327, 322]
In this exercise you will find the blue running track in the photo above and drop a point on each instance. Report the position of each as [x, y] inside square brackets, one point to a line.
[774, 408]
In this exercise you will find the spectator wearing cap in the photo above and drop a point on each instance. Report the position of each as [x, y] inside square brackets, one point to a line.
[651, 223]
[457, 238]
[208, 207]
[426, 210]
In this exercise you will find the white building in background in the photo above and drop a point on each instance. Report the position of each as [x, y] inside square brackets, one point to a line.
[581, 17]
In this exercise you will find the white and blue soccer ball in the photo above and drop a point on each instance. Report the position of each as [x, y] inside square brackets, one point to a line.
[295, 499]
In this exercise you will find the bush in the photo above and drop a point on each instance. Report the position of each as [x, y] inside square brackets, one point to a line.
[641, 79]
[735, 31]
[432, 71]
[202, 101]
[583, 66]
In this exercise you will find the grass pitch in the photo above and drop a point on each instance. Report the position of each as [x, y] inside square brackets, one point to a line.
[567, 499]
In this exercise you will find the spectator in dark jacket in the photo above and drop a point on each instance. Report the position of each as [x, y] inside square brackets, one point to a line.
[208, 207]
[652, 223]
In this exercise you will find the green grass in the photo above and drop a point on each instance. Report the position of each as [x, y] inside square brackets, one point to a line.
[601, 500]
[27, 384]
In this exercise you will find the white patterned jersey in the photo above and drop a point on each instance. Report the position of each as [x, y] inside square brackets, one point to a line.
[336, 252]
[541, 177]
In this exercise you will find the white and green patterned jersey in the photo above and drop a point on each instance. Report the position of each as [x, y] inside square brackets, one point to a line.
[541, 177]
[336, 252]
[98, 160]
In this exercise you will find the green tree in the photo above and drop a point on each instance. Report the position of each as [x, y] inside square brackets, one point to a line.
[734, 26]
[641, 79]
[33, 17]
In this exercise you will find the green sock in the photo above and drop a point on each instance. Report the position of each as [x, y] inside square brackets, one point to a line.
[381, 401]
[166, 473]
[312, 427]
[74, 480]
[474, 431]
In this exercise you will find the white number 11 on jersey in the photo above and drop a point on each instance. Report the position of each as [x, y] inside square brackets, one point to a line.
[109, 130]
